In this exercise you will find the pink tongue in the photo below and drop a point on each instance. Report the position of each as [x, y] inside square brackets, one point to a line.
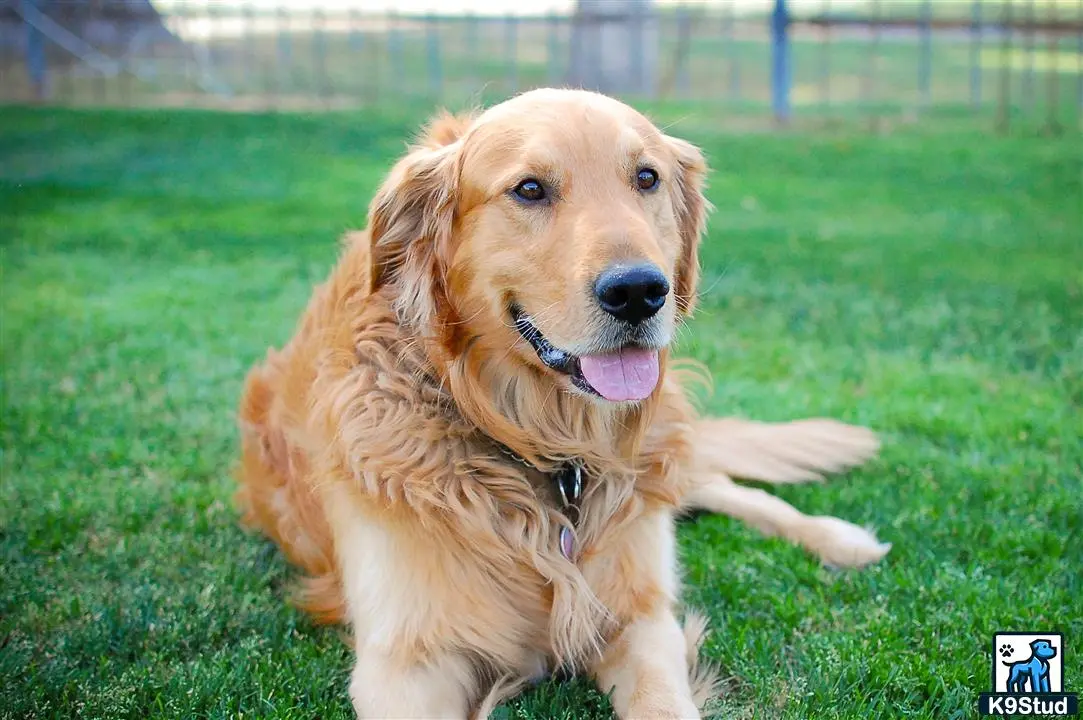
[628, 374]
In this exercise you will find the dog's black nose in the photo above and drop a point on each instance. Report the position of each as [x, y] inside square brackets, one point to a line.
[632, 293]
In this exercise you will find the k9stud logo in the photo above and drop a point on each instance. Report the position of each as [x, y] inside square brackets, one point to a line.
[1028, 677]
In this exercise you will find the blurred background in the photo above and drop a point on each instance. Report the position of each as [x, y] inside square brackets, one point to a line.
[784, 59]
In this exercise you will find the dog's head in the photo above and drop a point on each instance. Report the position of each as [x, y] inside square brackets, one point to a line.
[1043, 649]
[558, 229]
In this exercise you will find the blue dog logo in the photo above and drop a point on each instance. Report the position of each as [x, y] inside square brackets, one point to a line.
[1030, 687]
[1034, 671]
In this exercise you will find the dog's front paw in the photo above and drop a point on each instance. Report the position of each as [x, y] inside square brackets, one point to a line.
[652, 709]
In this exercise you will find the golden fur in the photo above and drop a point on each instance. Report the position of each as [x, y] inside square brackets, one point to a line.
[374, 441]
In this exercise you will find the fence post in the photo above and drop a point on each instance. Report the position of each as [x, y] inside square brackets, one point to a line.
[733, 53]
[434, 62]
[925, 63]
[1004, 101]
[35, 52]
[1029, 40]
[1053, 76]
[283, 56]
[394, 51]
[868, 91]
[606, 36]
[553, 74]
[1079, 70]
[780, 62]
[472, 46]
[684, 52]
[511, 51]
[975, 54]
[319, 50]
[825, 55]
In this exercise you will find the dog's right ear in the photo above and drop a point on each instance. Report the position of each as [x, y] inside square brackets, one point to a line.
[411, 219]
[446, 128]
[691, 208]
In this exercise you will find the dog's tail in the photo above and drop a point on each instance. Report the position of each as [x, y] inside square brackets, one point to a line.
[782, 453]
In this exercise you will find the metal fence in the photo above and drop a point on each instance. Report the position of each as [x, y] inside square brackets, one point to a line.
[1008, 60]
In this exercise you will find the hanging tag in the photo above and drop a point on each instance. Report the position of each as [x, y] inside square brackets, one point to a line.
[567, 542]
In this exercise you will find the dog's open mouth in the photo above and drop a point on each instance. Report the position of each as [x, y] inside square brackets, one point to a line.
[627, 374]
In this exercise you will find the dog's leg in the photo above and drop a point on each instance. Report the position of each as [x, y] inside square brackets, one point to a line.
[835, 541]
[649, 663]
[382, 686]
[404, 666]
[646, 670]
[1014, 679]
[1036, 679]
[791, 452]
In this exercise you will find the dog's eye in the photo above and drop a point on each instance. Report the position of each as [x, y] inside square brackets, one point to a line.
[646, 179]
[530, 190]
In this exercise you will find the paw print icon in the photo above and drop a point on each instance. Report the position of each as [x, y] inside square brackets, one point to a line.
[1006, 650]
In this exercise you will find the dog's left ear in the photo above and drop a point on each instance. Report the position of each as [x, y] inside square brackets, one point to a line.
[691, 208]
[411, 220]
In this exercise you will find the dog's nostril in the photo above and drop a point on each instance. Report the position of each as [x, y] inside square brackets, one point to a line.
[633, 293]
[656, 292]
[614, 297]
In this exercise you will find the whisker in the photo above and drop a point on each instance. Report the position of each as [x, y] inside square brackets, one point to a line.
[717, 281]
[469, 319]
[681, 119]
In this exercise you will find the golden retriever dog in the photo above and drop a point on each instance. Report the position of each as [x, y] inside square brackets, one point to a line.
[476, 443]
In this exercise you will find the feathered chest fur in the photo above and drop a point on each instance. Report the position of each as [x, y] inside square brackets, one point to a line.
[402, 433]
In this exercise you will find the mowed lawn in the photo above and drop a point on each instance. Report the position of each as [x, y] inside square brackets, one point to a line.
[929, 284]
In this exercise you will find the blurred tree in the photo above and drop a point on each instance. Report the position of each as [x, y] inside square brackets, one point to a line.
[105, 34]
[614, 46]
[105, 25]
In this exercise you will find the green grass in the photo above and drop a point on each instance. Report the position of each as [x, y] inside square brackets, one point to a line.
[929, 284]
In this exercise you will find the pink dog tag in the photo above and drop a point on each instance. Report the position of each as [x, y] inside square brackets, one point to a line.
[567, 542]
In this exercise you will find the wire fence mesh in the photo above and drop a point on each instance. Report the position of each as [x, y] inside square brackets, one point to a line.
[1005, 59]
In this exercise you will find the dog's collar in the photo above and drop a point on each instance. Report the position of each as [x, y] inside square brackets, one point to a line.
[568, 480]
